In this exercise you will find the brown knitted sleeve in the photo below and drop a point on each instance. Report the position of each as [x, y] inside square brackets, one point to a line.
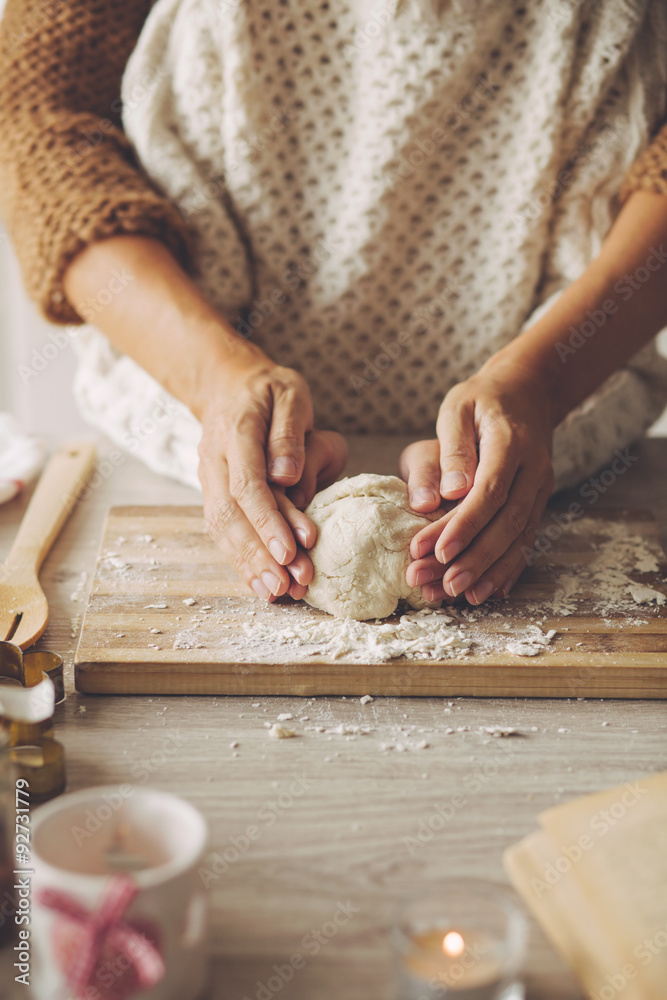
[67, 173]
[649, 171]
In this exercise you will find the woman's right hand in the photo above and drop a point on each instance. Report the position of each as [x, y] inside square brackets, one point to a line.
[257, 442]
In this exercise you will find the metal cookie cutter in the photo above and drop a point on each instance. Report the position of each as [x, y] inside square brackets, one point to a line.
[27, 700]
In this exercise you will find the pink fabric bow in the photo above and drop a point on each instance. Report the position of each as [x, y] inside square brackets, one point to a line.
[101, 940]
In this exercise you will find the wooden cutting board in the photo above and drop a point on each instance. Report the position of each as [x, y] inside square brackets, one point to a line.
[161, 556]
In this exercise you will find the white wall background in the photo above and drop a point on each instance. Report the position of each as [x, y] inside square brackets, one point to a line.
[44, 404]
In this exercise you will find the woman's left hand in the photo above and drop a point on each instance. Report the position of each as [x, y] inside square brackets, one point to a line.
[492, 455]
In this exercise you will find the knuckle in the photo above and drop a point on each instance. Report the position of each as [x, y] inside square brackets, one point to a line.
[516, 519]
[240, 567]
[262, 520]
[457, 395]
[241, 486]
[496, 492]
[219, 520]
[459, 452]
[286, 438]
[424, 472]
[247, 551]
[530, 530]
[485, 556]
[245, 420]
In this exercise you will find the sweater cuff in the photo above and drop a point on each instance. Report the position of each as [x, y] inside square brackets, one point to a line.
[135, 215]
[649, 171]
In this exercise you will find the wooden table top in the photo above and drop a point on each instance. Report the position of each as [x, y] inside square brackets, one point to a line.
[341, 820]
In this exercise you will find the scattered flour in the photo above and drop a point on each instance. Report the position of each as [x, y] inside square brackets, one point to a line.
[596, 569]
[279, 732]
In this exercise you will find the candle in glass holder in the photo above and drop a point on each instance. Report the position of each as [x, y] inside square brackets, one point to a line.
[465, 941]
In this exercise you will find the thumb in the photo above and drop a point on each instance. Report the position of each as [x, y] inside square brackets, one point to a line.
[458, 449]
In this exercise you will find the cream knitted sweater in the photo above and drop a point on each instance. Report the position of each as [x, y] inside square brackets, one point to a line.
[383, 196]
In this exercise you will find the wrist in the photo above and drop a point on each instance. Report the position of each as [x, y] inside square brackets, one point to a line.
[225, 360]
[525, 375]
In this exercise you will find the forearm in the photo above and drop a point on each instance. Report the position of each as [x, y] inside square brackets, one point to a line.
[158, 316]
[599, 322]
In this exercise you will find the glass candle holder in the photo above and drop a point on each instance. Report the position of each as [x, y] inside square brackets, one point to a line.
[465, 939]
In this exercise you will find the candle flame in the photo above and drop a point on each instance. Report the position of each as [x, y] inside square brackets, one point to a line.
[453, 944]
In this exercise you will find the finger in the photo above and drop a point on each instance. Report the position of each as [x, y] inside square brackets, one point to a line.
[303, 528]
[501, 577]
[433, 592]
[239, 543]
[419, 466]
[250, 490]
[468, 572]
[423, 571]
[498, 464]
[326, 455]
[291, 418]
[301, 569]
[297, 591]
[458, 447]
[424, 540]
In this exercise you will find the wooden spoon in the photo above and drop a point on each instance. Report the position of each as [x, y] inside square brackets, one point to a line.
[24, 611]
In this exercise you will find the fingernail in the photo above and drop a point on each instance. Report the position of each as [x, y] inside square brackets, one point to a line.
[460, 583]
[482, 591]
[260, 589]
[278, 551]
[422, 549]
[295, 570]
[423, 576]
[506, 587]
[452, 482]
[423, 495]
[451, 550]
[282, 467]
[271, 581]
[302, 536]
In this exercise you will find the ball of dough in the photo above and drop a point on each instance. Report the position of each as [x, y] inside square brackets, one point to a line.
[365, 526]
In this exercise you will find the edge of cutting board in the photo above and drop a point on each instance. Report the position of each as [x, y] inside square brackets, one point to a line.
[548, 680]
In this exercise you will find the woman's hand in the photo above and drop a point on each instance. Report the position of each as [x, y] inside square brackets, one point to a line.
[326, 455]
[493, 456]
[257, 443]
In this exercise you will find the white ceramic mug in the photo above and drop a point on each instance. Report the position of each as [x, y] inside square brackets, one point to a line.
[117, 909]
